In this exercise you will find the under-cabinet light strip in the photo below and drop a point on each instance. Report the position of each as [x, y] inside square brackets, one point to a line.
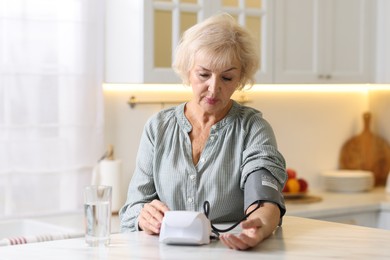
[177, 93]
[179, 88]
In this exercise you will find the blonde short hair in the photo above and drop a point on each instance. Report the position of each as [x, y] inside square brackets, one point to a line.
[224, 41]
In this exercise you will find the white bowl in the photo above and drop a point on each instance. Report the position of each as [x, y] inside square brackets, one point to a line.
[348, 180]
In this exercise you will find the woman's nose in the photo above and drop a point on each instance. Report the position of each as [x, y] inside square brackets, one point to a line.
[214, 85]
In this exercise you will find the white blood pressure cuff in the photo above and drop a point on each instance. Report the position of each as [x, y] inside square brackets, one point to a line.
[261, 185]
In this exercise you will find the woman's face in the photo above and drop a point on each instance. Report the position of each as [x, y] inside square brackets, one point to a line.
[213, 88]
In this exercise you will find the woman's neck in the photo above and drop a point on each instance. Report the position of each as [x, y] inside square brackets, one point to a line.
[204, 119]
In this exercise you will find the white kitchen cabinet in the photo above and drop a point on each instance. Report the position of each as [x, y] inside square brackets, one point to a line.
[366, 219]
[384, 219]
[141, 35]
[324, 41]
[371, 218]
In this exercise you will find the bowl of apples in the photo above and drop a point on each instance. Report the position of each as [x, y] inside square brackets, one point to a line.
[295, 186]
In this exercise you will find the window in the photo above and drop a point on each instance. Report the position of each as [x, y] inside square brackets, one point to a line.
[51, 111]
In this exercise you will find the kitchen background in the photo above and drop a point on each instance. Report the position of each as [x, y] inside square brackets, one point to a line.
[312, 116]
[313, 96]
[311, 125]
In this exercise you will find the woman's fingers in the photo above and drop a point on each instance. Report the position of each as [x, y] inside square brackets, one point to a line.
[151, 216]
[249, 237]
[234, 242]
[158, 209]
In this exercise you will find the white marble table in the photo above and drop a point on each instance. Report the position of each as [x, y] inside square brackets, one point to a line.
[299, 238]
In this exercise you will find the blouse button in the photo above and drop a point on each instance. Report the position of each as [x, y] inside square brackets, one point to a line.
[192, 177]
[190, 200]
[202, 160]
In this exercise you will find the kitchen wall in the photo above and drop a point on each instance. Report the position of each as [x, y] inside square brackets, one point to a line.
[380, 107]
[310, 124]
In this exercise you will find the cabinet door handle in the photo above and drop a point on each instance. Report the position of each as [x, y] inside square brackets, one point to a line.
[327, 76]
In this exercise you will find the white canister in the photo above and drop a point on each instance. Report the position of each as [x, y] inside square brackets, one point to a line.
[109, 172]
[110, 175]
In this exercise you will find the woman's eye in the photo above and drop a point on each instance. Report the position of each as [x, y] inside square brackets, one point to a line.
[203, 75]
[226, 78]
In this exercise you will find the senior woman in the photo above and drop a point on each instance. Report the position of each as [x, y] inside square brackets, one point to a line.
[210, 148]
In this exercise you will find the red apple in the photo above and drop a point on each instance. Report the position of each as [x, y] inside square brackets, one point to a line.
[291, 173]
[285, 188]
[303, 185]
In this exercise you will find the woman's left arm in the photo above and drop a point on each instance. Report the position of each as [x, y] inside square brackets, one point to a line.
[263, 178]
[259, 225]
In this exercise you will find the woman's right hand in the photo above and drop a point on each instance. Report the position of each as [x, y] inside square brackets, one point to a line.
[151, 216]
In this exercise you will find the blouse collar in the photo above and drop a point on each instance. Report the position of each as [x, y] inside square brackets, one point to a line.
[228, 119]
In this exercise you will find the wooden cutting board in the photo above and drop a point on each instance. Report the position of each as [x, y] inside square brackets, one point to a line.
[303, 199]
[367, 151]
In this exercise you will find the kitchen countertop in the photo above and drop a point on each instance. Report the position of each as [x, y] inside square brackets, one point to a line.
[331, 204]
[298, 238]
[75, 221]
[336, 203]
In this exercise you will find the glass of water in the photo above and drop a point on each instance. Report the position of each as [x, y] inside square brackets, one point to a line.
[97, 214]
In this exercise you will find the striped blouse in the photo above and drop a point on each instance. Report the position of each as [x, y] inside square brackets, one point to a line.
[239, 144]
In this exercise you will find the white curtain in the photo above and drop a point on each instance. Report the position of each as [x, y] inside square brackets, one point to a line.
[51, 104]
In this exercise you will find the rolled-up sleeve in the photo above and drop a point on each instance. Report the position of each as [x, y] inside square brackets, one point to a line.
[263, 167]
[261, 151]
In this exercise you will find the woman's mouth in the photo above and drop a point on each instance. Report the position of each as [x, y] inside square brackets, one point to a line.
[211, 101]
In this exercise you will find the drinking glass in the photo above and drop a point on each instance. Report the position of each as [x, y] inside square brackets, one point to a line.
[97, 214]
